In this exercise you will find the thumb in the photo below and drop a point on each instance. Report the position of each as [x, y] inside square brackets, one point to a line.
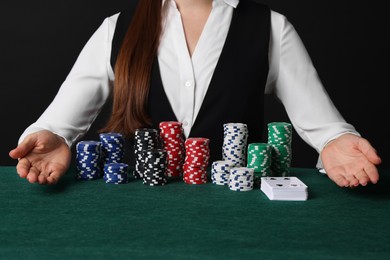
[369, 151]
[24, 147]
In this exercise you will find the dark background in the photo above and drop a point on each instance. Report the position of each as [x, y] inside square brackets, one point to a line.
[347, 40]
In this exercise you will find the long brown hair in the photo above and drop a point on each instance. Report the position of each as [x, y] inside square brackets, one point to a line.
[133, 69]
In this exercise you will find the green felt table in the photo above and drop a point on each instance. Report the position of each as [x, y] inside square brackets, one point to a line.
[95, 220]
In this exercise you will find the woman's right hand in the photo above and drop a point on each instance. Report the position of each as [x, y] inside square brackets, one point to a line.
[43, 157]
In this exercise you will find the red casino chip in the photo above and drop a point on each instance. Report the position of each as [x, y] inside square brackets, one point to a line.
[196, 160]
[172, 138]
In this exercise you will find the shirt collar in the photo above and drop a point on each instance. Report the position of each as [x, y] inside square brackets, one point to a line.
[233, 3]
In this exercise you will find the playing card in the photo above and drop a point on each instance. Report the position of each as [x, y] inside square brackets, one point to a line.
[284, 188]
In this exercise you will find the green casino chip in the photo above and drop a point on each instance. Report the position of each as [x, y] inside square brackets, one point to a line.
[280, 139]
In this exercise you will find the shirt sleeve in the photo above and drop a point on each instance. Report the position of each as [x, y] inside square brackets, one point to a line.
[84, 91]
[294, 80]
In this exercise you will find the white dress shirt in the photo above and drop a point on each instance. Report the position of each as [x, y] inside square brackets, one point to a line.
[292, 77]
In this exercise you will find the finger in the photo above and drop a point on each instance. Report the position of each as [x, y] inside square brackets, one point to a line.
[42, 177]
[338, 178]
[56, 174]
[343, 178]
[23, 167]
[33, 174]
[372, 173]
[369, 151]
[362, 177]
[353, 182]
[23, 148]
[54, 177]
[42, 180]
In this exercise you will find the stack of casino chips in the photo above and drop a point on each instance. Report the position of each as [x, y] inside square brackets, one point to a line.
[235, 144]
[196, 160]
[260, 158]
[241, 179]
[116, 173]
[88, 160]
[155, 167]
[112, 150]
[220, 172]
[280, 137]
[172, 139]
[144, 139]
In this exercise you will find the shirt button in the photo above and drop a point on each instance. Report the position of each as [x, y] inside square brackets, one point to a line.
[185, 123]
[188, 83]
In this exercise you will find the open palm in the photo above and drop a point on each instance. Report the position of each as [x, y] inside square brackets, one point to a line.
[351, 160]
[43, 157]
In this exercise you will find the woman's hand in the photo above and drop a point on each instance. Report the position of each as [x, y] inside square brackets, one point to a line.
[350, 160]
[43, 157]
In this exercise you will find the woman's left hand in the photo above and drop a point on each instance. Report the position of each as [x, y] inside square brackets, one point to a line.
[350, 161]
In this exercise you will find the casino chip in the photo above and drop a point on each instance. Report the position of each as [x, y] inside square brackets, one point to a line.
[280, 138]
[235, 144]
[88, 160]
[144, 139]
[92, 156]
[155, 167]
[172, 139]
[196, 160]
[112, 150]
[220, 172]
[260, 158]
[241, 179]
[116, 173]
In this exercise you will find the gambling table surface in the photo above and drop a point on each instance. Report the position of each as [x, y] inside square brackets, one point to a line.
[94, 220]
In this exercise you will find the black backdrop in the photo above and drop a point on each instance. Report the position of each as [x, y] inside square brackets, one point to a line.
[347, 40]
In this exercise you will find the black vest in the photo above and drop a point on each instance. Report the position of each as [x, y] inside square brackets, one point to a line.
[236, 90]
